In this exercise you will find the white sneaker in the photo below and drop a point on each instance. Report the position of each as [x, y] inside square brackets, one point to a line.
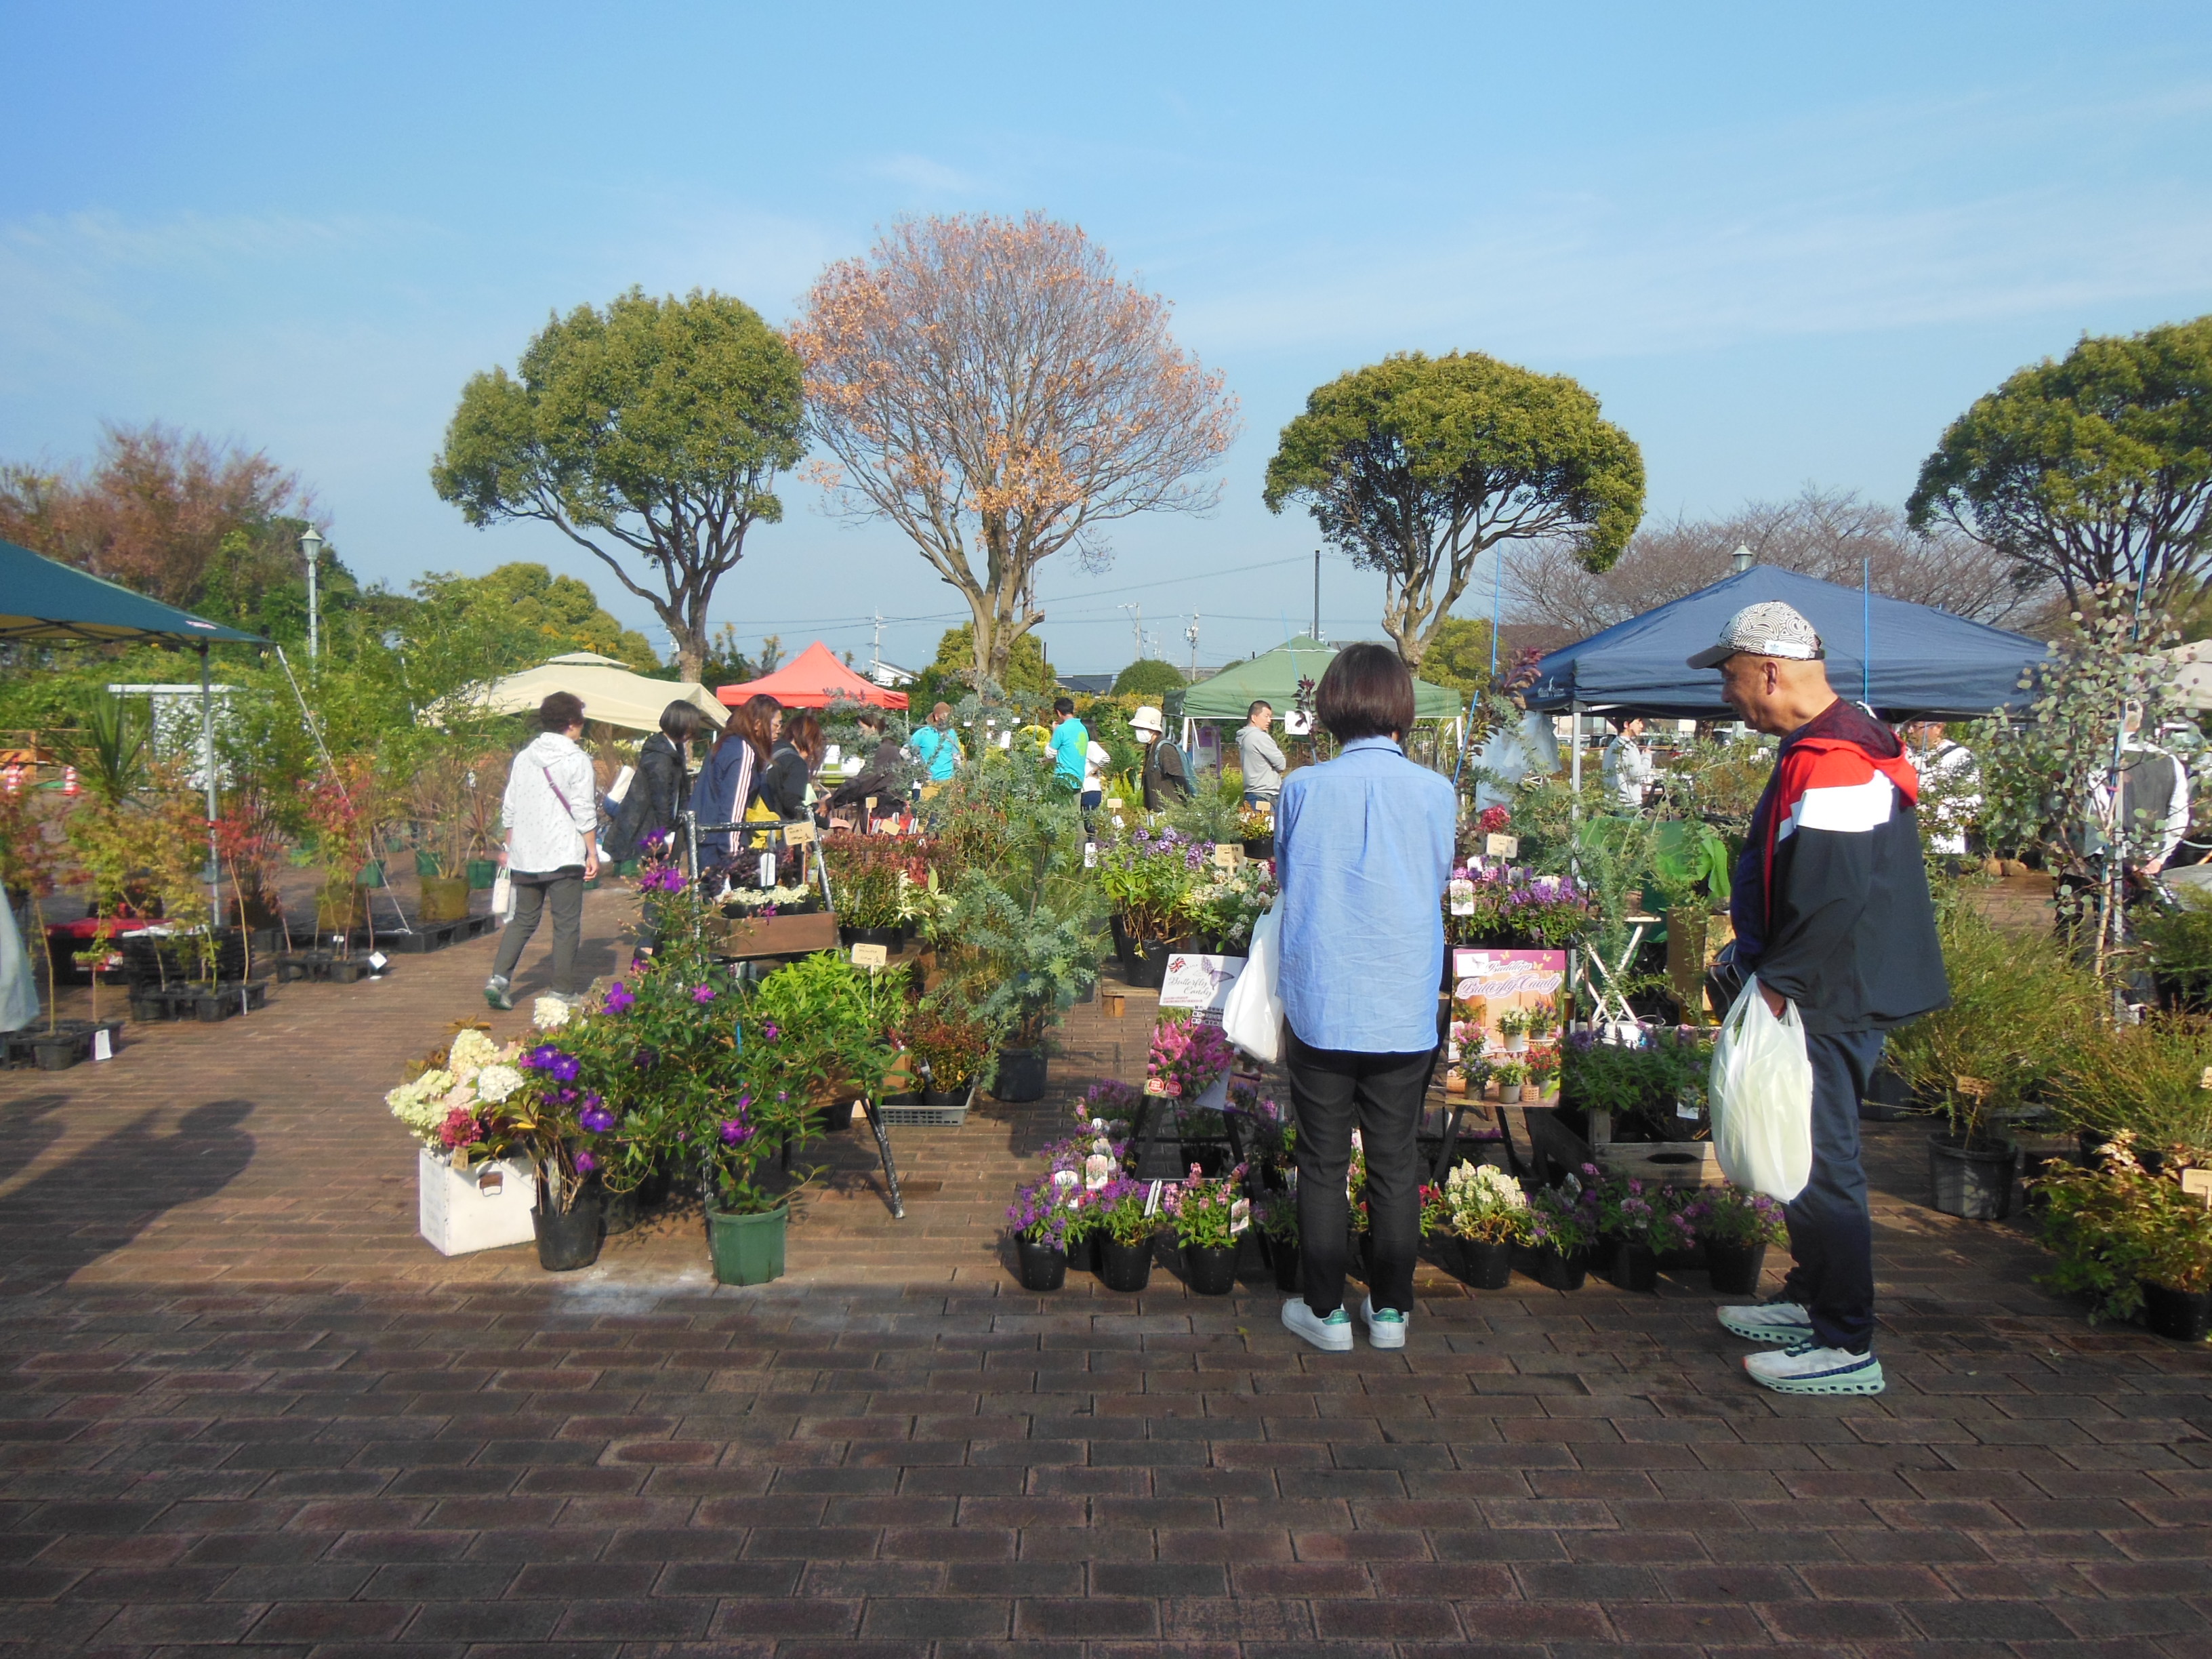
[1807, 1370]
[1386, 1326]
[1332, 1334]
[1769, 1321]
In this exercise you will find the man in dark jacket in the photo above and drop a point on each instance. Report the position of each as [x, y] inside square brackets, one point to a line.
[1831, 913]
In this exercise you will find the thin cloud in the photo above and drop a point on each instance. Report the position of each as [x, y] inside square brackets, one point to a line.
[926, 177]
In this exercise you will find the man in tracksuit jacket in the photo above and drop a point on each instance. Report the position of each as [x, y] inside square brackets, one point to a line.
[1831, 913]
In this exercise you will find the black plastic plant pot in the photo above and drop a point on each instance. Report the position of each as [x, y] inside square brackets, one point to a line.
[946, 1096]
[58, 1053]
[1634, 1266]
[347, 971]
[1021, 1076]
[835, 1119]
[1734, 1268]
[1210, 1269]
[1558, 1271]
[1971, 1182]
[1125, 1267]
[1283, 1257]
[1145, 962]
[569, 1239]
[1486, 1265]
[2183, 1315]
[1259, 847]
[1044, 1266]
[889, 938]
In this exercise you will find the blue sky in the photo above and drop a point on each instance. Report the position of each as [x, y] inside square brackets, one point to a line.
[1784, 244]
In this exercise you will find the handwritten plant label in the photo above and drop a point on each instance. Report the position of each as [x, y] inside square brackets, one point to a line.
[871, 956]
[2197, 1184]
[1228, 855]
[1502, 846]
[798, 835]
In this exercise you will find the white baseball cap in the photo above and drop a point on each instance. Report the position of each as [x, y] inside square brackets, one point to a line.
[1771, 629]
[1147, 719]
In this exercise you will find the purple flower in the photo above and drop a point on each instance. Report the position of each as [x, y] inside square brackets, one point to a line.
[771, 1031]
[563, 1068]
[596, 1119]
[703, 993]
[586, 1163]
[736, 1132]
[619, 998]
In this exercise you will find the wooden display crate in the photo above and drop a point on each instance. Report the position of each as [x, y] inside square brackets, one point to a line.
[771, 936]
[1673, 1163]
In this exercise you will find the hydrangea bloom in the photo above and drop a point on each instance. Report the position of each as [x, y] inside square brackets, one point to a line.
[495, 1082]
[549, 1013]
[471, 1050]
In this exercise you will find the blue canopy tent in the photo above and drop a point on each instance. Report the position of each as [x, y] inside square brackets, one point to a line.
[1902, 660]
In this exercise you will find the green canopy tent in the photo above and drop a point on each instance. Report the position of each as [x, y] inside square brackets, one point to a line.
[43, 602]
[1274, 676]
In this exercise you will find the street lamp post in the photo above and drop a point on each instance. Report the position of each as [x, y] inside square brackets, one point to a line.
[311, 548]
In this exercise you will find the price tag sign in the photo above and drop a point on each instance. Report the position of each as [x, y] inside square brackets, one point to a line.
[798, 835]
[1974, 1088]
[1154, 1086]
[1090, 855]
[103, 1049]
[1114, 803]
[767, 869]
[871, 956]
[1228, 855]
[1502, 846]
[2197, 1184]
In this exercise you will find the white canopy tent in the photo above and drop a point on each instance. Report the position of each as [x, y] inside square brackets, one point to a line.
[613, 695]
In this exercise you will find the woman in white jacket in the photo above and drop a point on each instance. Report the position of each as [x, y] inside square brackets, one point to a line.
[551, 817]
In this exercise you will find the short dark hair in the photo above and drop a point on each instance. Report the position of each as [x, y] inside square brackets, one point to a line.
[872, 718]
[1365, 692]
[559, 711]
[682, 721]
[1258, 703]
[1063, 705]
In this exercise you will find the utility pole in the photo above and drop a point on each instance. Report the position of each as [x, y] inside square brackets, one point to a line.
[1316, 633]
[1191, 633]
[1138, 622]
[876, 653]
[311, 546]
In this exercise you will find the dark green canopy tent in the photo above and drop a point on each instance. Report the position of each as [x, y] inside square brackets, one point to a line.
[43, 602]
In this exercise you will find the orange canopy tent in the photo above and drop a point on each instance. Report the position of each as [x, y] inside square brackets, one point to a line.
[812, 679]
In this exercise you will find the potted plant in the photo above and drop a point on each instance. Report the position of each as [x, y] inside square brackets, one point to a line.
[1736, 1226]
[2132, 1240]
[1126, 1234]
[1487, 1214]
[340, 805]
[1513, 1030]
[439, 794]
[1562, 1232]
[1638, 1222]
[1276, 1220]
[1255, 827]
[1148, 878]
[1039, 1215]
[1541, 1065]
[1512, 1076]
[951, 1049]
[1208, 1217]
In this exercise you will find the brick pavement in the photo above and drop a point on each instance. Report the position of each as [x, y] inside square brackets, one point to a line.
[240, 1404]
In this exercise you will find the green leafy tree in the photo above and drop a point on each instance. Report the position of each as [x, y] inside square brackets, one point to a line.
[652, 431]
[1417, 466]
[2094, 470]
[1149, 678]
[1026, 668]
[1459, 655]
[549, 614]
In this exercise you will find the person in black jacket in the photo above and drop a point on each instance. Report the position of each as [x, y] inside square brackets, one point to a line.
[1831, 913]
[880, 777]
[657, 791]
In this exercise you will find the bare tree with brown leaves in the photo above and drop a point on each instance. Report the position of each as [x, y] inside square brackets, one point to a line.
[995, 389]
[1822, 533]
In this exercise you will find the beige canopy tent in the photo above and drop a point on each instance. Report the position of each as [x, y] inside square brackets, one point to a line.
[2193, 683]
[613, 695]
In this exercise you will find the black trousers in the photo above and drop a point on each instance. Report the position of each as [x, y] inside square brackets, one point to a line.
[1831, 1233]
[1335, 1090]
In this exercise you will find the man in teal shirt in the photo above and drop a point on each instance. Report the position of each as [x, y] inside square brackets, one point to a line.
[1071, 743]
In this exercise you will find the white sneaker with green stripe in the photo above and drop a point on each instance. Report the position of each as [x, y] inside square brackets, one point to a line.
[1386, 1326]
[1332, 1334]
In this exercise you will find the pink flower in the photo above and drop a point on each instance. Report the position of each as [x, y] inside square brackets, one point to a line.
[703, 994]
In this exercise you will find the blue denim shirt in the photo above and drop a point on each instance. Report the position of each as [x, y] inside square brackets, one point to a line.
[1364, 849]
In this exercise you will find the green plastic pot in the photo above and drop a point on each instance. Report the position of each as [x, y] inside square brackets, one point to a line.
[747, 1249]
[424, 864]
[482, 873]
[371, 874]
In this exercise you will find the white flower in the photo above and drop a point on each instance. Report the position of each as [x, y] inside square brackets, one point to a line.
[495, 1082]
[549, 1013]
[471, 1049]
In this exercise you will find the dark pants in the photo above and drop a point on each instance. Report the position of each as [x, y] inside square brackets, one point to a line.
[563, 891]
[1333, 1090]
[1830, 1235]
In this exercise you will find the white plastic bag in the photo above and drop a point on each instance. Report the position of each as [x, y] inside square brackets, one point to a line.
[1253, 1017]
[1761, 1095]
[503, 898]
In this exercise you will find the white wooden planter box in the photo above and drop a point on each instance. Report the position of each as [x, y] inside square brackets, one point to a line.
[482, 1208]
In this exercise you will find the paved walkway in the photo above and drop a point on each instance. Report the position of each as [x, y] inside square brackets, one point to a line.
[239, 1402]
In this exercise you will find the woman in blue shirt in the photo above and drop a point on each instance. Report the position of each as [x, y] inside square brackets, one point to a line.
[1363, 849]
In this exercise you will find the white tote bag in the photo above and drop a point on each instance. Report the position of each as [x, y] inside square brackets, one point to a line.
[1253, 1017]
[1761, 1094]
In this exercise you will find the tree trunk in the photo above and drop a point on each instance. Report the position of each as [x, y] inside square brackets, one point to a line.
[690, 653]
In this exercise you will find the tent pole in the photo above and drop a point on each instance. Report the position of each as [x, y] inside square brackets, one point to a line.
[207, 769]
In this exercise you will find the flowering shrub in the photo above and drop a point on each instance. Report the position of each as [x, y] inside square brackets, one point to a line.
[1120, 1207]
[1638, 1211]
[1277, 1219]
[1731, 1215]
[1042, 1210]
[1108, 1101]
[1484, 1204]
[1514, 908]
[1563, 1219]
[2116, 1228]
[1207, 1214]
[1187, 1055]
[1149, 876]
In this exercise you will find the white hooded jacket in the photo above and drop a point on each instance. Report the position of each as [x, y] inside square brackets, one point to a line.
[549, 808]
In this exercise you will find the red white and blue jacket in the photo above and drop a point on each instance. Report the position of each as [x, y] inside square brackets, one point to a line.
[1831, 904]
